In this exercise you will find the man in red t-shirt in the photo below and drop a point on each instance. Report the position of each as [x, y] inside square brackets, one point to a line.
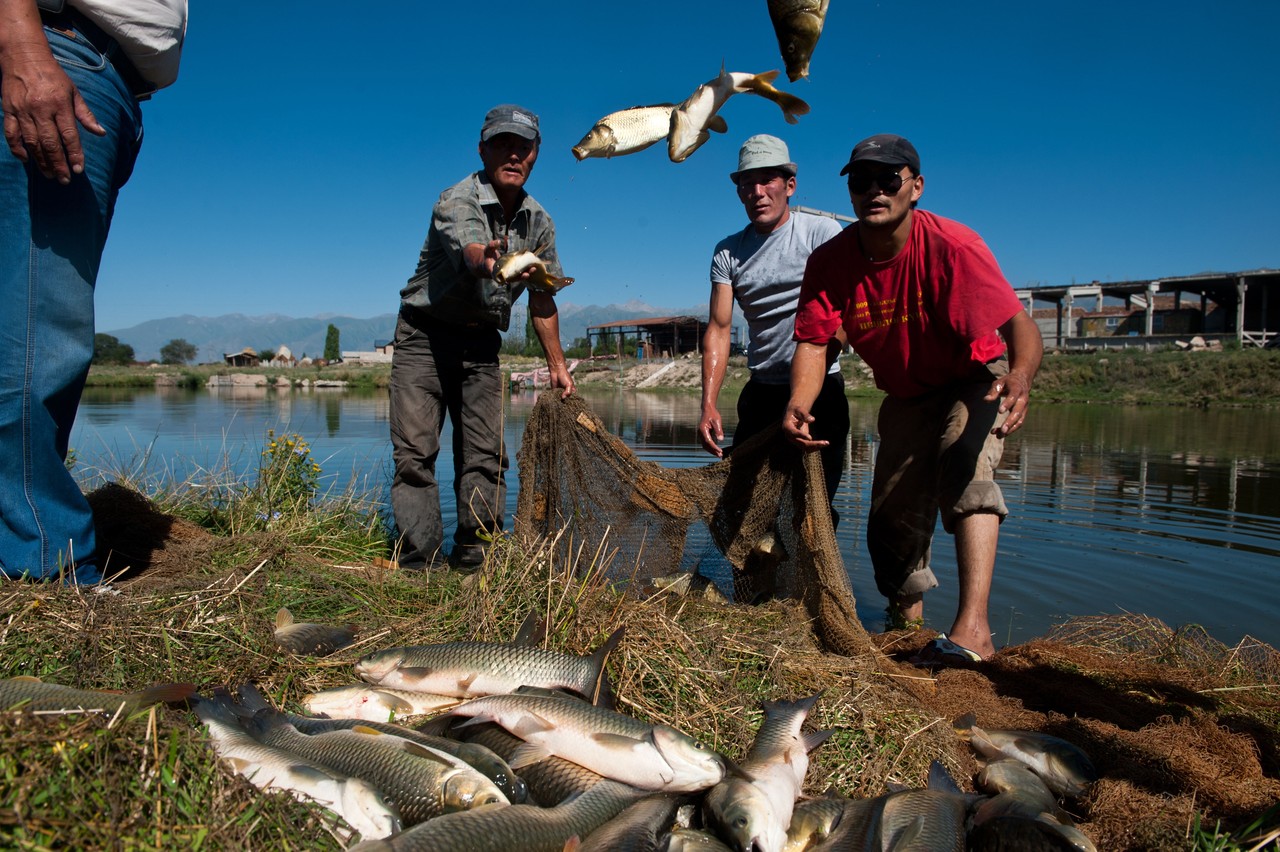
[923, 302]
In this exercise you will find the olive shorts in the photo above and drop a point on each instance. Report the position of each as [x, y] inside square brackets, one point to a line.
[937, 456]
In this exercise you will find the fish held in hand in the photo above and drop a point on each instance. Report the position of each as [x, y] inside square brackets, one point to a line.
[508, 268]
[691, 120]
[304, 638]
[797, 24]
[625, 132]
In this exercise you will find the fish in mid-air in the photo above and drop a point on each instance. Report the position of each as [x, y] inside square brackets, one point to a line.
[692, 118]
[512, 265]
[797, 24]
[626, 131]
[304, 638]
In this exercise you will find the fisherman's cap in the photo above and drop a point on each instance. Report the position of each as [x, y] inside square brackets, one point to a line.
[509, 118]
[764, 152]
[884, 148]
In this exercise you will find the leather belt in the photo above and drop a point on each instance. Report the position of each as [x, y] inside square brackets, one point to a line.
[70, 19]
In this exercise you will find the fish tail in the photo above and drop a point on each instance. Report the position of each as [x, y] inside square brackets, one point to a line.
[965, 724]
[762, 85]
[283, 617]
[251, 698]
[817, 738]
[602, 690]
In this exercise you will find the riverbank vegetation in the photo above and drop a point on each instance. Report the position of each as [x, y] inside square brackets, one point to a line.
[1182, 729]
[1233, 377]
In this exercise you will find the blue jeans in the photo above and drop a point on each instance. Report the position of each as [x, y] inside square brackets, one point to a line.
[438, 369]
[51, 241]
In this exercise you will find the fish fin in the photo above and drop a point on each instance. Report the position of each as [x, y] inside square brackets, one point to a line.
[817, 738]
[896, 787]
[533, 630]
[419, 750]
[573, 844]
[602, 689]
[414, 673]
[239, 765]
[251, 698]
[791, 106]
[464, 683]
[940, 779]
[367, 731]
[283, 618]
[909, 837]
[718, 124]
[527, 755]
[27, 679]
[964, 725]
[166, 693]
[617, 740]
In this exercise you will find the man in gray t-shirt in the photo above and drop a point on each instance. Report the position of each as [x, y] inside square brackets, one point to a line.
[761, 267]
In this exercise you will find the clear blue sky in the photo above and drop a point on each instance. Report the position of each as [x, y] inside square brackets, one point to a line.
[293, 166]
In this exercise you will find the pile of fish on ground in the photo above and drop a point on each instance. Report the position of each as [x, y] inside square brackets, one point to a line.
[529, 753]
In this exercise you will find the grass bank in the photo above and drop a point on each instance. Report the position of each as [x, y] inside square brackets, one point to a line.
[1182, 731]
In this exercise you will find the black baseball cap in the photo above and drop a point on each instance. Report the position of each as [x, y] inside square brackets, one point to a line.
[509, 118]
[884, 148]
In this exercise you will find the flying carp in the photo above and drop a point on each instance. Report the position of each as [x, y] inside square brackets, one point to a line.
[512, 265]
[651, 757]
[626, 131]
[797, 24]
[474, 669]
[317, 640]
[421, 782]
[1061, 765]
[362, 806]
[30, 694]
[525, 827]
[489, 764]
[755, 814]
[691, 119]
[374, 703]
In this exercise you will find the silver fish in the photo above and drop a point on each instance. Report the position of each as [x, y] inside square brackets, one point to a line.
[755, 814]
[692, 118]
[694, 840]
[550, 781]
[921, 820]
[473, 669]
[1020, 834]
[626, 131]
[512, 265]
[642, 827]
[814, 820]
[797, 24]
[489, 764]
[359, 803]
[374, 703]
[650, 757]
[317, 640]
[1015, 789]
[421, 782]
[32, 695]
[1063, 767]
[525, 827]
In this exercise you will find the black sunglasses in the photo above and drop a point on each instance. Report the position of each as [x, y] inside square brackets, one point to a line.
[888, 181]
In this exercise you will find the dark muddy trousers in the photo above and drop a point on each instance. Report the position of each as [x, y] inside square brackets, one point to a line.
[761, 406]
[440, 367]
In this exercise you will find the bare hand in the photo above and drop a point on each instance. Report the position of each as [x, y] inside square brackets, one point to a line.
[41, 108]
[560, 377]
[711, 432]
[1014, 392]
[795, 425]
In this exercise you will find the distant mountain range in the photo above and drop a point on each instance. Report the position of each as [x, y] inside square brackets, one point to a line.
[214, 337]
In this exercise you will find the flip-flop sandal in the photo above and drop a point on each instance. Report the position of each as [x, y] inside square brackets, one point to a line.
[942, 653]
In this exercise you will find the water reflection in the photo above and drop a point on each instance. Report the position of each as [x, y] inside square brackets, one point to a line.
[1171, 512]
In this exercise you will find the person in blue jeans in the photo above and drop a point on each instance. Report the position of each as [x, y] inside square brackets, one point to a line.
[71, 77]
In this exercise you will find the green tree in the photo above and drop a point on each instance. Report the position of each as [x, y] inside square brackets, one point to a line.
[177, 351]
[266, 355]
[332, 350]
[107, 349]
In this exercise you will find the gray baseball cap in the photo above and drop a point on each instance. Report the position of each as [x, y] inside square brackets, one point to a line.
[509, 118]
[764, 152]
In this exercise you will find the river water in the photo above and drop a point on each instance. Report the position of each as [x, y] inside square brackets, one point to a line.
[1171, 512]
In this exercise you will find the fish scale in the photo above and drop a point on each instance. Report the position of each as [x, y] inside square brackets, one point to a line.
[33, 695]
[470, 669]
[419, 782]
[525, 827]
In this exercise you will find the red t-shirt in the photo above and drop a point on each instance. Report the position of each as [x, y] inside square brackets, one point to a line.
[922, 320]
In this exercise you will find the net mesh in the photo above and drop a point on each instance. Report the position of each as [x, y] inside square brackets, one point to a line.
[764, 508]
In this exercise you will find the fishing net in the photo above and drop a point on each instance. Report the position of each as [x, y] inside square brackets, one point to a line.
[763, 510]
